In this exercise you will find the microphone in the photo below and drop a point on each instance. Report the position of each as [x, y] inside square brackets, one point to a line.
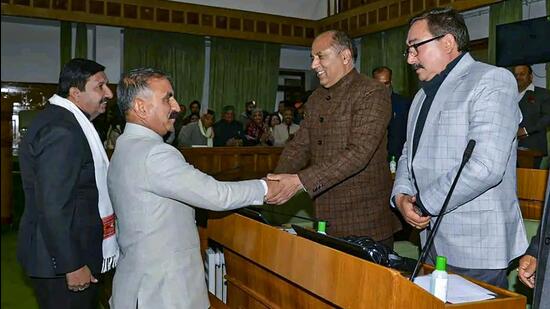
[465, 157]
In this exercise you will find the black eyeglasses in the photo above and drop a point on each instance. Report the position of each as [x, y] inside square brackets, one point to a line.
[413, 48]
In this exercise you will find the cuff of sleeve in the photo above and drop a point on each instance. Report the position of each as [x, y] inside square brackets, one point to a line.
[264, 184]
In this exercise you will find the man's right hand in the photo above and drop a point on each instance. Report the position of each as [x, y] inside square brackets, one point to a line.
[80, 279]
[406, 204]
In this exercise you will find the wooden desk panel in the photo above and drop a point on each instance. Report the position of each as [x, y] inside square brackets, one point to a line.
[270, 268]
[531, 191]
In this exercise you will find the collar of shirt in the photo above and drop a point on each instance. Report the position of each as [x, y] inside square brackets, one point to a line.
[531, 87]
[431, 86]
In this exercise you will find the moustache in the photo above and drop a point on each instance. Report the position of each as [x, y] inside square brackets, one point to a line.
[174, 115]
[417, 66]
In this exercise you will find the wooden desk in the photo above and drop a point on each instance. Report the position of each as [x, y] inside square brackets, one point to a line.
[270, 268]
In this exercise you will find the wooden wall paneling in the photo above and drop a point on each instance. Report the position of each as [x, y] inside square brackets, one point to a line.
[173, 16]
[384, 15]
[357, 17]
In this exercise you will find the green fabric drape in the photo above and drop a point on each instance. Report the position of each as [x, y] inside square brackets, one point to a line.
[81, 41]
[241, 71]
[502, 13]
[65, 42]
[386, 49]
[181, 56]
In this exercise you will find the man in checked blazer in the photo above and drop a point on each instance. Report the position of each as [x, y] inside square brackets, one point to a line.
[461, 99]
[339, 153]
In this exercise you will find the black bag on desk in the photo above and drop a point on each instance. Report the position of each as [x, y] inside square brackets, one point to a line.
[381, 254]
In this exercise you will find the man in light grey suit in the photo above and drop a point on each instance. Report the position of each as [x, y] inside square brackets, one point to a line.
[153, 190]
[461, 99]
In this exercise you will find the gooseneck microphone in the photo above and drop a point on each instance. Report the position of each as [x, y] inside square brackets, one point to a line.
[465, 157]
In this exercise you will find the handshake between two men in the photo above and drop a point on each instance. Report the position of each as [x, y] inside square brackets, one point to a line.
[282, 187]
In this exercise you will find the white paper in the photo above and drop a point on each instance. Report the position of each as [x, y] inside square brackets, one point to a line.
[459, 290]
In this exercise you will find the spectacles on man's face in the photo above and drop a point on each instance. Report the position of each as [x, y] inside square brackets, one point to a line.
[413, 48]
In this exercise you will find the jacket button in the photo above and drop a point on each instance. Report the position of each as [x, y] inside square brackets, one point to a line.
[319, 142]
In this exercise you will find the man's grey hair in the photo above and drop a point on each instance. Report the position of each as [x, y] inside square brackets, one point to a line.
[341, 41]
[136, 83]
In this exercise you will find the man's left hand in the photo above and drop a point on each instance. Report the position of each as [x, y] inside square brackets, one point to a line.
[526, 270]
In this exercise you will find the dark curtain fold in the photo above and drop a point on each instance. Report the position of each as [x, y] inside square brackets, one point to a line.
[179, 55]
[81, 41]
[65, 42]
[241, 71]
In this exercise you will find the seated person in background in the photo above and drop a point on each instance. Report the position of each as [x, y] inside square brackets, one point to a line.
[274, 120]
[199, 132]
[246, 116]
[299, 110]
[154, 190]
[227, 131]
[285, 131]
[281, 108]
[256, 132]
[534, 103]
[194, 109]
[116, 125]
[194, 117]
[271, 120]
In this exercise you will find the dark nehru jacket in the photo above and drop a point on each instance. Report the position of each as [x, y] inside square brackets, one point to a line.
[340, 155]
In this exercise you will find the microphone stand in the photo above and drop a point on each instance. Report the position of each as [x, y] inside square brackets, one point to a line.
[431, 236]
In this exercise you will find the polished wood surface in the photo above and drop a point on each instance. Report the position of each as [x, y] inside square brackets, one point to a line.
[234, 163]
[270, 268]
[532, 185]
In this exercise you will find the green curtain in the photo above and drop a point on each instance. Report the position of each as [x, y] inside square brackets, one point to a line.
[386, 49]
[181, 56]
[241, 71]
[81, 41]
[502, 13]
[65, 40]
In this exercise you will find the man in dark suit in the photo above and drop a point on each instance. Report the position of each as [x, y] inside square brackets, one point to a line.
[64, 231]
[397, 130]
[534, 267]
[534, 103]
[339, 153]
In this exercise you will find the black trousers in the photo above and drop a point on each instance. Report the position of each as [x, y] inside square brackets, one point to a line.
[53, 293]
